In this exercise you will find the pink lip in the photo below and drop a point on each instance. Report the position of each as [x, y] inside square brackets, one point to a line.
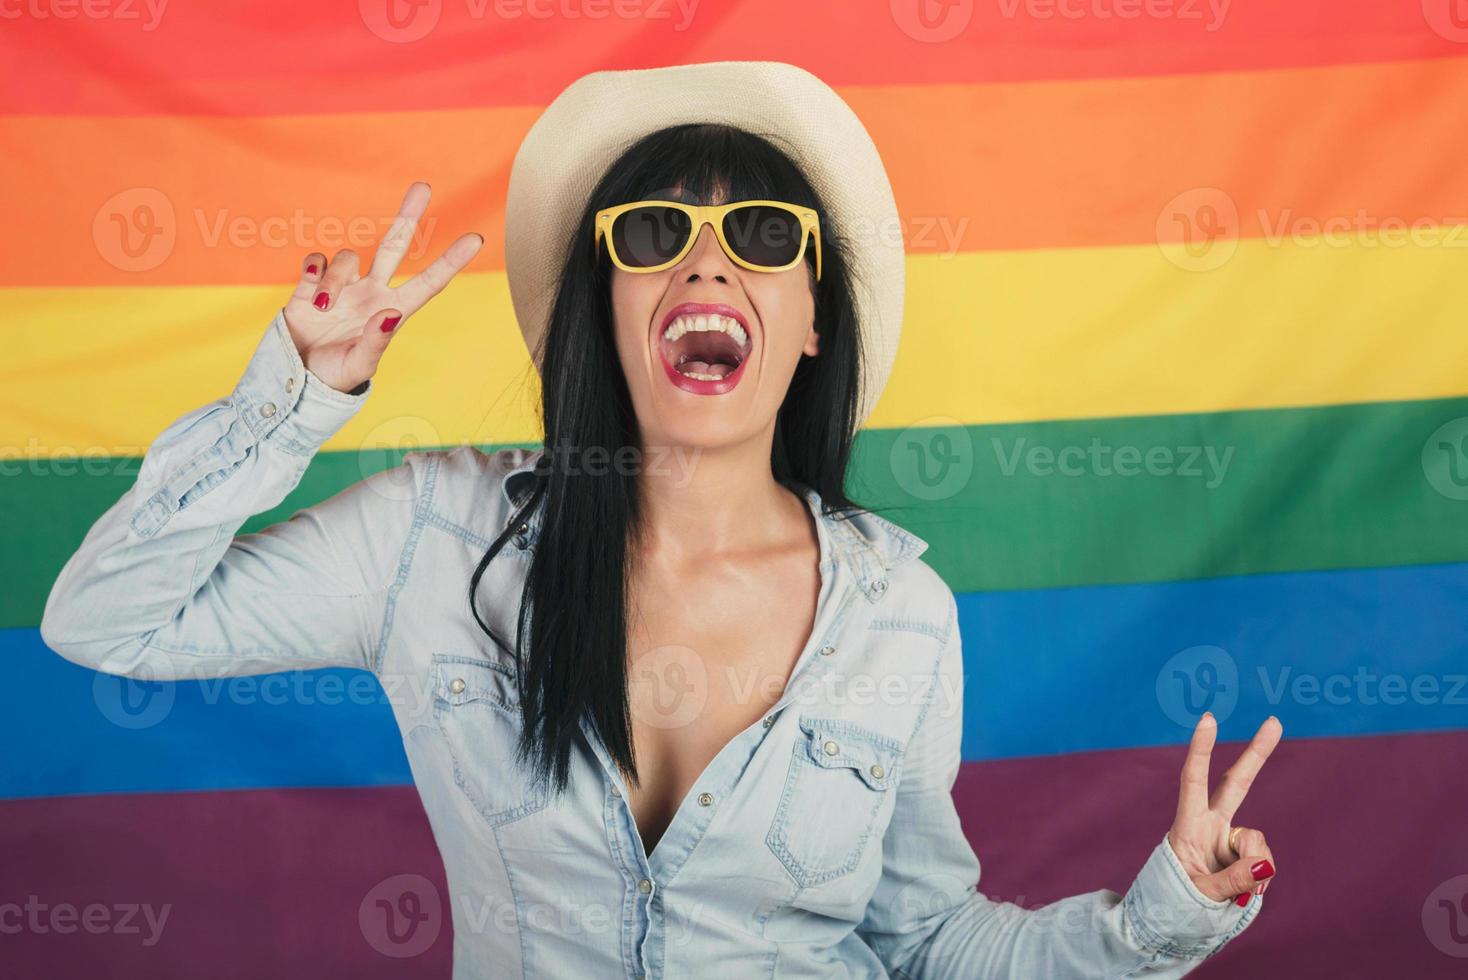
[694, 385]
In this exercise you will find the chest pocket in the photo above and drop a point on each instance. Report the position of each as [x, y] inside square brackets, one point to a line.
[478, 712]
[840, 775]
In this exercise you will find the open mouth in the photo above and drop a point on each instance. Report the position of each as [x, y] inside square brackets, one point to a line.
[704, 347]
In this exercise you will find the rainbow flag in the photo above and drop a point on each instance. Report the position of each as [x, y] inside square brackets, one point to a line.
[1181, 406]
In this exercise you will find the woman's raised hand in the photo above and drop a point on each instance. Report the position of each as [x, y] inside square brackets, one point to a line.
[1201, 831]
[342, 321]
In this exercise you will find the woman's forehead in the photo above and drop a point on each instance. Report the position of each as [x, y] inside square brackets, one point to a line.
[677, 192]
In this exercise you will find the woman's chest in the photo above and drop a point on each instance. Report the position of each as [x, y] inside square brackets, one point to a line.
[706, 660]
[770, 791]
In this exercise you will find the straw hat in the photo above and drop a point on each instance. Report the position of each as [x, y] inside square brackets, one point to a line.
[599, 115]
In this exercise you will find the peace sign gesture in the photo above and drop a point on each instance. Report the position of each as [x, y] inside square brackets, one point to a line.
[342, 322]
[1223, 861]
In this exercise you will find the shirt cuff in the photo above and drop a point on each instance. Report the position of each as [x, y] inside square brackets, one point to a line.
[1171, 916]
[281, 401]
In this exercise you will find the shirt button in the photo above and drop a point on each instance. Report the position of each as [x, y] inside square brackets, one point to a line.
[615, 790]
[457, 685]
[826, 651]
[268, 409]
[769, 720]
[290, 385]
[705, 799]
[831, 747]
[879, 586]
[644, 886]
[877, 772]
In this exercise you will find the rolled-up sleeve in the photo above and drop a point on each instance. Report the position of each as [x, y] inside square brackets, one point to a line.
[927, 918]
[164, 586]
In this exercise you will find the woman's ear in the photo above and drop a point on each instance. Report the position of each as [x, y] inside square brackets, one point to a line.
[812, 342]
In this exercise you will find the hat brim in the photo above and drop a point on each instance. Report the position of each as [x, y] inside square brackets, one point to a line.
[599, 115]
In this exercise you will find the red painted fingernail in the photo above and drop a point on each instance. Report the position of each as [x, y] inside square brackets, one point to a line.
[311, 268]
[1261, 870]
[1242, 900]
[389, 323]
[321, 300]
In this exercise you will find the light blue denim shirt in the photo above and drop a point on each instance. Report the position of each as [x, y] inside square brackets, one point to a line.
[821, 841]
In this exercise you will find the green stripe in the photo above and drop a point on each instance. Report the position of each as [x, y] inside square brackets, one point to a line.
[1287, 490]
[1308, 488]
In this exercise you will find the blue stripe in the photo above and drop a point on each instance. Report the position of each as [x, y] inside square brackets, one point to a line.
[1358, 652]
[76, 731]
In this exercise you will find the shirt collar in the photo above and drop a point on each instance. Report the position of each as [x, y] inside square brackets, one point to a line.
[872, 545]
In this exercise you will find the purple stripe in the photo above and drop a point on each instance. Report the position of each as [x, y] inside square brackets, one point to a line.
[259, 883]
[284, 883]
[1363, 831]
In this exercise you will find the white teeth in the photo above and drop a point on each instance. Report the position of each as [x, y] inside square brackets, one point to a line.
[715, 321]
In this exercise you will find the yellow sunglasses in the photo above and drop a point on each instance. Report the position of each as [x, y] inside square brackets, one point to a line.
[765, 236]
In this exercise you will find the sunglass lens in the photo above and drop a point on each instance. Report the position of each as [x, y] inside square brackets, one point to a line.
[763, 235]
[649, 236]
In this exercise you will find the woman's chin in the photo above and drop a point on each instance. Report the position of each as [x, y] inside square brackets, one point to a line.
[691, 428]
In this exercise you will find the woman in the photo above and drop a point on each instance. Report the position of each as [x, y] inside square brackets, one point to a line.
[628, 667]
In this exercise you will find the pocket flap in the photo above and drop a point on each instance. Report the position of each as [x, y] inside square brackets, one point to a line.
[835, 743]
[457, 680]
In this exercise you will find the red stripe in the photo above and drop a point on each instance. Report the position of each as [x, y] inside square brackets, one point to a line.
[273, 57]
[270, 883]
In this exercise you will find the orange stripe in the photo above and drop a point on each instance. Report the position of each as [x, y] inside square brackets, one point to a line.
[974, 168]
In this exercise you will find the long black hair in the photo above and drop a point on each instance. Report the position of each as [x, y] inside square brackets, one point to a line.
[571, 643]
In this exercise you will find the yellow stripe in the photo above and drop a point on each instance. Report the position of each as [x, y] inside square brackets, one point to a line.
[990, 337]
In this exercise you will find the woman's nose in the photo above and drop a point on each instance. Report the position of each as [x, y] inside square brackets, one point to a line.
[707, 259]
